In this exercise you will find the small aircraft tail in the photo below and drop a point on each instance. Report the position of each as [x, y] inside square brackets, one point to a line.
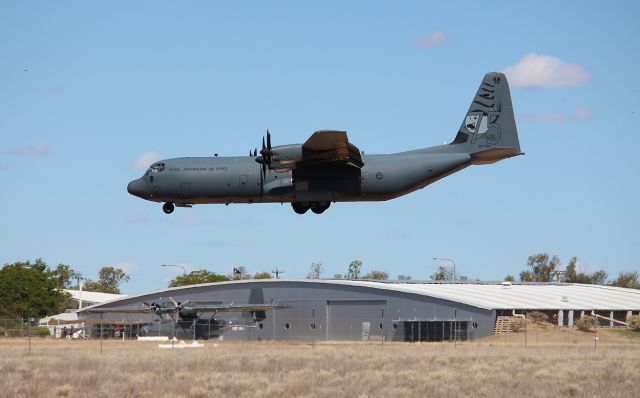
[488, 132]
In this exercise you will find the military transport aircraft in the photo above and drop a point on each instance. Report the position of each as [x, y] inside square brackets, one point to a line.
[328, 168]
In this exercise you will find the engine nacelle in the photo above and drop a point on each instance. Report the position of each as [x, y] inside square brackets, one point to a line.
[285, 154]
[282, 157]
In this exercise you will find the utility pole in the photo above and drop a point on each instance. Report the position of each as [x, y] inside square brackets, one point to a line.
[29, 326]
[277, 272]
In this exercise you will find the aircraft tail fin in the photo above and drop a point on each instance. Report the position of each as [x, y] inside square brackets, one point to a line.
[488, 132]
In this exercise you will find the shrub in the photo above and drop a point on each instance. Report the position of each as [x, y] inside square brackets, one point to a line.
[40, 332]
[587, 323]
[518, 324]
[35, 332]
[538, 317]
[634, 323]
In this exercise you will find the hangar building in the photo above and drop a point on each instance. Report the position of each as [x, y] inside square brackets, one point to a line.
[360, 309]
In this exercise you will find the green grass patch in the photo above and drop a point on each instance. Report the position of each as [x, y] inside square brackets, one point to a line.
[627, 333]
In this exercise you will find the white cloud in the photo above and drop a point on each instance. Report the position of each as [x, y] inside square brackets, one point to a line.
[145, 160]
[40, 148]
[127, 266]
[579, 114]
[535, 70]
[435, 39]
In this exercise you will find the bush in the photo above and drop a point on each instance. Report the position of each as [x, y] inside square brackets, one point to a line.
[518, 324]
[35, 332]
[538, 317]
[634, 323]
[40, 332]
[587, 323]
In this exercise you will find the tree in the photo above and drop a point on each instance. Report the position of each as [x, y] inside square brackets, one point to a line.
[108, 282]
[354, 269]
[571, 275]
[627, 279]
[379, 275]
[542, 267]
[599, 277]
[28, 289]
[315, 271]
[443, 273]
[196, 277]
[262, 275]
[570, 270]
[509, 278]
[65, 275]
[404, 277]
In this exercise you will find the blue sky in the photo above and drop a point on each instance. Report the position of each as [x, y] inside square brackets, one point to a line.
[87, 89]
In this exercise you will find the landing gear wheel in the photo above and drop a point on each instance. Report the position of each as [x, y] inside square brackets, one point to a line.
[168, 207]
[299, 207]
[320, 207]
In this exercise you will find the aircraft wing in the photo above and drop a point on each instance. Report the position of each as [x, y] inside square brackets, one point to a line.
[329, 147]
[229, 307]
[121, 310]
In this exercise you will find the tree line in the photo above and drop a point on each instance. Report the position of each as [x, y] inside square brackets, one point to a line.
[35, 290]
[543, 267]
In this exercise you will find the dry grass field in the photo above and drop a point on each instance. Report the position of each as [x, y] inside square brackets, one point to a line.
[555, 363]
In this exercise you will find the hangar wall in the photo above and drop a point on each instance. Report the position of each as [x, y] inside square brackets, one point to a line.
[326, 311]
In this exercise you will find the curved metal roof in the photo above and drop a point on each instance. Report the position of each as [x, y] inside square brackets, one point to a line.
[488, 295]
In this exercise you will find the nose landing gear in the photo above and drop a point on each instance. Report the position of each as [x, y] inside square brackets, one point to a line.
[168, 207]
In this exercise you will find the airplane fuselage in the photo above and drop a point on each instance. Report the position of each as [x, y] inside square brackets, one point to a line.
[224, 180]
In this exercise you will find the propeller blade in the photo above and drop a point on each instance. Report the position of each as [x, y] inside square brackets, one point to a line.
[263, 147]
[268, 140]
[255, 151]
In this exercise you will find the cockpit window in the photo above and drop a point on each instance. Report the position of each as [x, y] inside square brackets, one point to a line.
[155, 168]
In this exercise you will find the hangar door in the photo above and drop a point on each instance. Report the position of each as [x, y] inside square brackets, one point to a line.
[354, 319]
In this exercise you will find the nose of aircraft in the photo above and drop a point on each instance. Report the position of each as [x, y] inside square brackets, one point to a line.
[136, 188]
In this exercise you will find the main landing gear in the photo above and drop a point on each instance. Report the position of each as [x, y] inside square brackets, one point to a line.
[168, 207]
[316, 207]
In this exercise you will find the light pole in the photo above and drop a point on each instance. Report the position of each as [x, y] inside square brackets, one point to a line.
[452, 262]
[174, 265]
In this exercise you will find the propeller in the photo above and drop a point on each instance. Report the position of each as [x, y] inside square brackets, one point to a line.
[266, 155]
[266, 150]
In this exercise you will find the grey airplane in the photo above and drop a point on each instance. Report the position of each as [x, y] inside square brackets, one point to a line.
[327, 168]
